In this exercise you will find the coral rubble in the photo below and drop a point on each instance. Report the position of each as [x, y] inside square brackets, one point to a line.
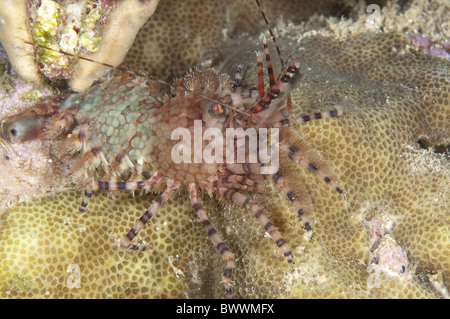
[102, 30]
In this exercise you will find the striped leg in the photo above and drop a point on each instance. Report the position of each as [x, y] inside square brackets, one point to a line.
[249, 204]
[301, 208]
[154, 183]
[269, 64]
[272, 81]
[272, 34]
[280, 118]
[300, 152]
[172, 186]
[259, 64]
[226, 254]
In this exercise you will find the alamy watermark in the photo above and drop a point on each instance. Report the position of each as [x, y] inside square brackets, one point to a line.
[239, 145]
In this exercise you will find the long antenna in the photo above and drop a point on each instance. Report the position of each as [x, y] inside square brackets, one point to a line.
[103, 63]
[272, 35]
[138, 74]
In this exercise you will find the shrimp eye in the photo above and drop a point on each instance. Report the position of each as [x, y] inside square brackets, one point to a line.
[216, 109]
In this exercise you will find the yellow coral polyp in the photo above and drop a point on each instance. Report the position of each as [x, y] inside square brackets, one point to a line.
[392, 98]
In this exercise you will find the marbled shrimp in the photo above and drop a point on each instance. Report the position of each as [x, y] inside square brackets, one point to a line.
[120, 134]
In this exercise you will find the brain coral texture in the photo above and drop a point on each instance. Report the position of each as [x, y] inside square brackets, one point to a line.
[388, 238]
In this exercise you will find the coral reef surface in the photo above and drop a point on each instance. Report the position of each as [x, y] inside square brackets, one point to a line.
[389, 238]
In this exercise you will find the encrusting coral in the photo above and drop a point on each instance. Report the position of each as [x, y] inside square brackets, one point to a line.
[14, 34]
[388, 238]
[70, 27]
[128, 16]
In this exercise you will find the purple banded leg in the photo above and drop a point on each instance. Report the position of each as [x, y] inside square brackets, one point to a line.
[259, 64]
[247, 203]
[296, 157]
[149, 185]
[277, 94]
[226, 254]
[281, 183]
[299, 152]
[110, 186]
[172, 186]
[280, 118]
